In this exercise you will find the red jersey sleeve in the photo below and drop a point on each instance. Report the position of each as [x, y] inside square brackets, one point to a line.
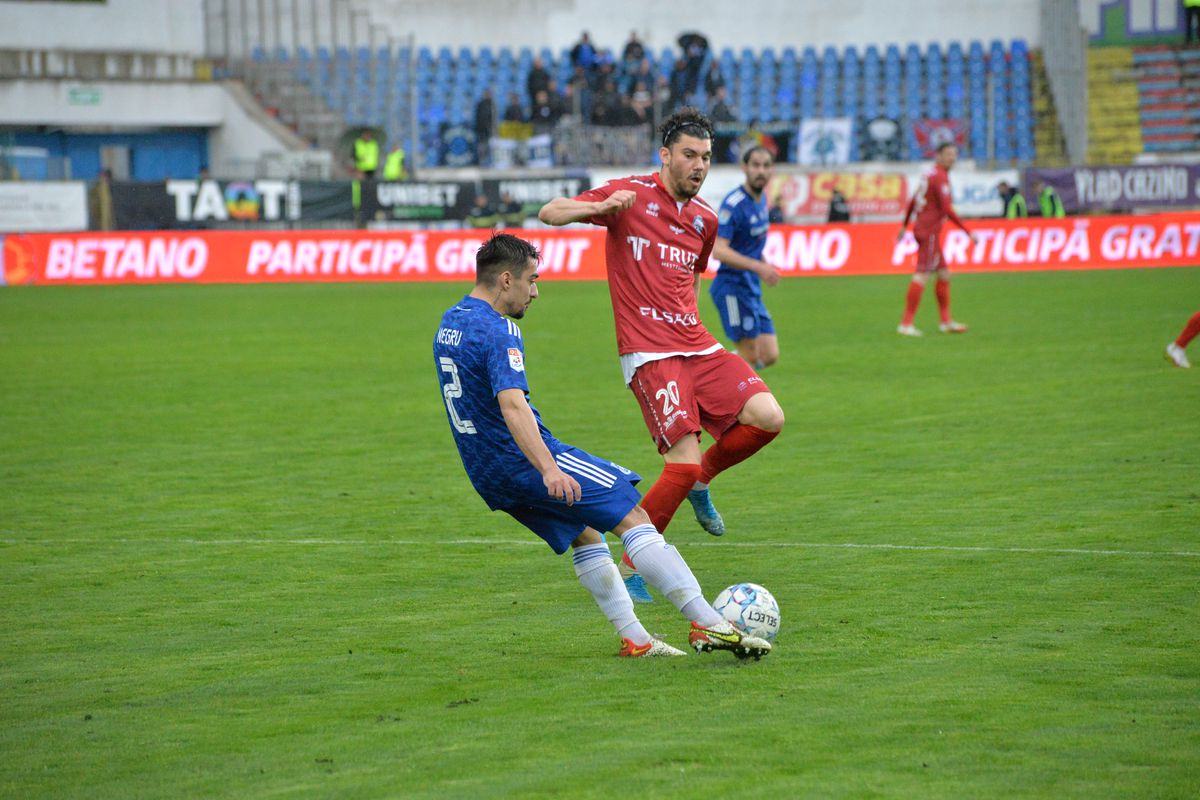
[597, 195]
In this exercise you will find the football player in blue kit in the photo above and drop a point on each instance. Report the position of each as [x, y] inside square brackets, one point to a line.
[565, 495]
[741, 237]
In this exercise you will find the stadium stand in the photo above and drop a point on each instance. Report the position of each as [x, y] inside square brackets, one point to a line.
[1114, 132]
[1168, 89]
[989, 88]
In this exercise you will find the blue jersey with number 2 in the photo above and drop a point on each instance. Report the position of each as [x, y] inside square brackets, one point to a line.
[479, 353]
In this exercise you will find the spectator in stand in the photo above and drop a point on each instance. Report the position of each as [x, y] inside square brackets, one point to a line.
[558, 102]
[538, 79]
[544, 113]
[839, 207]
[585, 96]
[1014, 201]
[695, 48]
[605, 58]
[583, 54]
[719, 111]
[627, 113]
[634, 52]
[606, 105]
[513, 112]
[642, 99]
[713, 79]
[679, 89]
[1049, 201]
[641, 72]
[602, 74]
[485, 123]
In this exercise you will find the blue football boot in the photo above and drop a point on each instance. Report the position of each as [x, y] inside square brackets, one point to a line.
[706, 514]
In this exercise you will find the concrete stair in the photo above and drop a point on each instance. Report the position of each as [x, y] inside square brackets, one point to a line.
[1047, 132]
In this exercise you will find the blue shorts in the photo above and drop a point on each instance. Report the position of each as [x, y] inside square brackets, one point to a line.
[743, 315]
[608, 495]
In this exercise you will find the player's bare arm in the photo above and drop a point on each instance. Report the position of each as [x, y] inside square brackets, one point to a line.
[524, 429]
[564, 210]
[730, 257]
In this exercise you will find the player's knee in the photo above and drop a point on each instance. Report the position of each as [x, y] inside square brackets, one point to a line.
[636, 516]
[773, 421]
[763, 412]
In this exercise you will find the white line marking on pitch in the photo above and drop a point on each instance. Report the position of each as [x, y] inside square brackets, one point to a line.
[1070, 551]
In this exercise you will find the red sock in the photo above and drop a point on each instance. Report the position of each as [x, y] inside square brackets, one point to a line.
[942, 290]
[911, 301]
[1190, 331]
[735, 446]
[668, 492]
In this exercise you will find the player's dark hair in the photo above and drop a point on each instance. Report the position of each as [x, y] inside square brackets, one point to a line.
[756, 149]
[687, 120]
[503, 252]
[944, 145]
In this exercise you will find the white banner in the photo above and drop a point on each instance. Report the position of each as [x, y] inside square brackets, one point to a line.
[825, 141]
[29, 207]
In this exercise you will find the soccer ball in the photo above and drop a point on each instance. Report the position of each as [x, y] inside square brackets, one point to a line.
[750, 608]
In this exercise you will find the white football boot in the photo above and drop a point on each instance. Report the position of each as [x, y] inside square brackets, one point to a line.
[653, 649]
[1177, 356]
[908, 330]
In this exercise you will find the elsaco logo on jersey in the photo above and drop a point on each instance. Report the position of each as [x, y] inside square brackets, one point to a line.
[515, 360]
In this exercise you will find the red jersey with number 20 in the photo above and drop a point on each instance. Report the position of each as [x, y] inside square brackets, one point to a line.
[932, 203]
[653, 251]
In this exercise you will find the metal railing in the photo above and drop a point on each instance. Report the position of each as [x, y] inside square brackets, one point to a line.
[1064, 47]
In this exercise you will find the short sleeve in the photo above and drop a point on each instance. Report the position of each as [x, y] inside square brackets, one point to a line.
[726, 221]
[506, 360]
[597, 195]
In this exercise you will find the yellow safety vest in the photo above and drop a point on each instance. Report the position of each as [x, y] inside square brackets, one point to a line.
[366, 155]
[393, 165]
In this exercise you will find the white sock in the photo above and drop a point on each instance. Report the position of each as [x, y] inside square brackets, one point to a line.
[664, 568]
[598, 574]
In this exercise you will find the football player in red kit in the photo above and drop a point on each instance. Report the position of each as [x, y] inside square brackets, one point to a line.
[932, 204]
[660, 237]
[1175, 350]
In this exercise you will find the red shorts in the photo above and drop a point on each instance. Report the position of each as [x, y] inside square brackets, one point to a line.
[682, 394]
[929, 252]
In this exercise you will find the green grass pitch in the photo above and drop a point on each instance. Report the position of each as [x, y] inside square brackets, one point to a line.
[239, 557]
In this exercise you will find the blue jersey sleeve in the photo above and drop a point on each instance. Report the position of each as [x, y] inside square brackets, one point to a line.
[506, 360]
[726, 220]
